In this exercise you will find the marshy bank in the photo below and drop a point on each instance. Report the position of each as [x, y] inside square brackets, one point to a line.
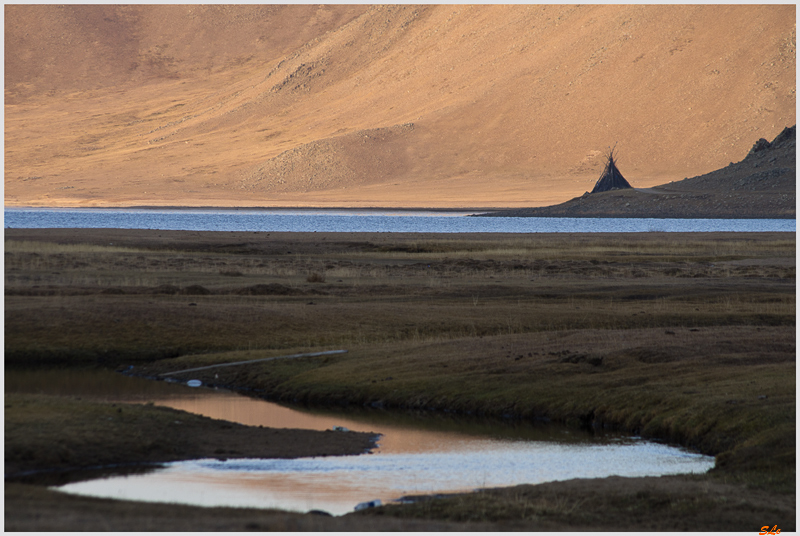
[682, 337]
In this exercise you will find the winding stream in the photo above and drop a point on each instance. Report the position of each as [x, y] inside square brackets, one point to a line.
[416, 454]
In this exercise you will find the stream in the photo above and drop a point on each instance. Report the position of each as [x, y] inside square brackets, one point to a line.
[416, 454]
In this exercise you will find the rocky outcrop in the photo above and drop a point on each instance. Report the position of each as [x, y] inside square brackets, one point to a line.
[762, 185]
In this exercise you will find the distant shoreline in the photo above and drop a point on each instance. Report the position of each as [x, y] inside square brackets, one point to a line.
[264, 209]
[476, 212]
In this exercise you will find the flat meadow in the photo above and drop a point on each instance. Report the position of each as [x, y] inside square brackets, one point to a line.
[687, 338]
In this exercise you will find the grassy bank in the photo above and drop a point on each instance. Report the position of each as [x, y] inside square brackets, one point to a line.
[688, 338]
[728, 392]
[613, 504]
[45, 434]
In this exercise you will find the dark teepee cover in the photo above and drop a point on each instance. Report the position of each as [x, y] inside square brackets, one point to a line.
[611, 179]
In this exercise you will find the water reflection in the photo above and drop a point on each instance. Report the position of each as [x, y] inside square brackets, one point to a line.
[406, 433]
[417, 454]
[401, 432]
[338, 484]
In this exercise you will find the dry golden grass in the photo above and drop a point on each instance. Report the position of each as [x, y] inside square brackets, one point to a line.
[131, 301]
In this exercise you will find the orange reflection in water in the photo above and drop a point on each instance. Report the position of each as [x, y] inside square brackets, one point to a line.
[236, 408]
[416, 456]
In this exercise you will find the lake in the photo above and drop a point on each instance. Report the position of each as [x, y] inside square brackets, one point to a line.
[366, 221]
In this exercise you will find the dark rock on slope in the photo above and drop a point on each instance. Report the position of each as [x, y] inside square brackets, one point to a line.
[763, 185]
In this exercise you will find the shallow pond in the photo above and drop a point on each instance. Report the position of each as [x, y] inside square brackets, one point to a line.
[416, 455]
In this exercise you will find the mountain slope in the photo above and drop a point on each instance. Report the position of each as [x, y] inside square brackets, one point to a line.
[381, 105]
[762, 185]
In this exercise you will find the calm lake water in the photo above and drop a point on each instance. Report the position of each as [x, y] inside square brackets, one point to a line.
[416, 455]
[362, 221]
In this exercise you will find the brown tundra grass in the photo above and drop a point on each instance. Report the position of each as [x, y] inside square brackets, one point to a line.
[688, 338]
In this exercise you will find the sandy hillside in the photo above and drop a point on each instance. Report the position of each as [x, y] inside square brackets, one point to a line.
[435, 106]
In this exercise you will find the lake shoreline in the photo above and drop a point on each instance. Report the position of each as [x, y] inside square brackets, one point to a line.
[212, 208]
[565, 210]
[363, 222]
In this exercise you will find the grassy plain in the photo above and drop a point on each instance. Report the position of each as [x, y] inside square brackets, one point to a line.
[682, 337]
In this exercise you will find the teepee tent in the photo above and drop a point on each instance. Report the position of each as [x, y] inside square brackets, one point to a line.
[611, 179]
